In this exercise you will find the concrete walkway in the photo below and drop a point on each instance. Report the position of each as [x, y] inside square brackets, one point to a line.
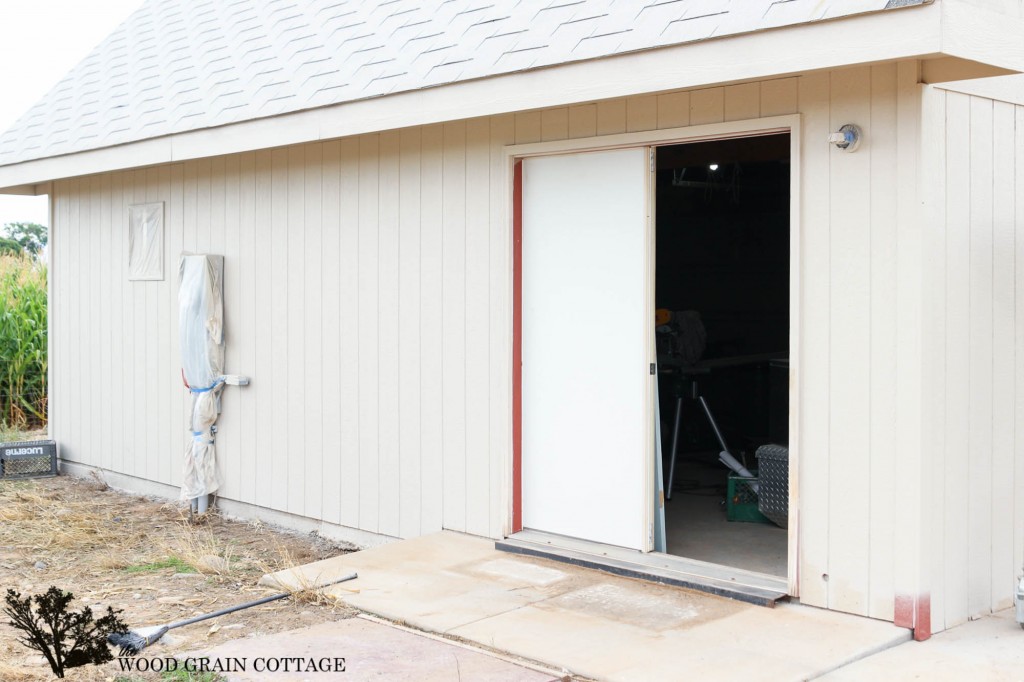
[590, 623]
[372, 651]
[989, 649]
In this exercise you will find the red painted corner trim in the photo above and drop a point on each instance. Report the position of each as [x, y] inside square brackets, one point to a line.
[517, 347]
[923, 618]
[914, 614]
[904, 611]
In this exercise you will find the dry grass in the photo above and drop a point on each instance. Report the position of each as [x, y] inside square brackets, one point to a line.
[195, 542]
[15, 673]
[304, 590]
[136, 554]
[35, 520]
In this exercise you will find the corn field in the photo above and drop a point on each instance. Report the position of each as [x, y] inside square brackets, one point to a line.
[22, 343]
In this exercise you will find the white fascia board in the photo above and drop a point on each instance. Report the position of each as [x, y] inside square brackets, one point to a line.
[980, 35]
[914, 33]
[1003, 89]
[134, 155]
[24, 190]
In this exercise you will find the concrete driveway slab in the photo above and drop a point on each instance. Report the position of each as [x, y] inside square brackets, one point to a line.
[372, 651]
[990, 648]
[589, 622]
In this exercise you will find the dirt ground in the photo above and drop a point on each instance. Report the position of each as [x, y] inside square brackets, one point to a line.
[147, 558]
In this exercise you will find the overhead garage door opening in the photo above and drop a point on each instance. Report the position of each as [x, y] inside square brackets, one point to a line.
[722, 296]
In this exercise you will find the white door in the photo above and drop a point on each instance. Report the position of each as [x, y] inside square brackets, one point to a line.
[585, 372]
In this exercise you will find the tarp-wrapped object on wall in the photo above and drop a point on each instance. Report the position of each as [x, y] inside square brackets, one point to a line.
[201, 329]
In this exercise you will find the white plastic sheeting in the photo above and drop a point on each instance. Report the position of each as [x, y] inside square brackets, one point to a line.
[201, 326]
[146, 241]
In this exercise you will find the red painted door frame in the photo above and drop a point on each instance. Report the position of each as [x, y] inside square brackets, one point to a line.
[517, 346]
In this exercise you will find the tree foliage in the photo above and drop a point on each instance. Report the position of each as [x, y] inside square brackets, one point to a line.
[68, 639]
[23, 239]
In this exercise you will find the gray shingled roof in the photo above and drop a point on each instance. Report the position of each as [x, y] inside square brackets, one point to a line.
[180, 65]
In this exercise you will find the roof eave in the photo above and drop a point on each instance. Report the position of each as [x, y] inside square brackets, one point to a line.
[922, 33]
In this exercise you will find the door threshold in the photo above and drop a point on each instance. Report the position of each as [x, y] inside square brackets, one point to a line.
[724, 581]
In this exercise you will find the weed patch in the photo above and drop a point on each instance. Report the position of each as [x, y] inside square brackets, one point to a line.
[179, 566]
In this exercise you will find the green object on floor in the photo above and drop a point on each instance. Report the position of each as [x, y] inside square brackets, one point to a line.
[741, 501]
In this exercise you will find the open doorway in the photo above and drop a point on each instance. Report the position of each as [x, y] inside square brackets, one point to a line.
[722, 225]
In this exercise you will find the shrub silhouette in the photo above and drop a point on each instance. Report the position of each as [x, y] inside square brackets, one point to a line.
[68, 639]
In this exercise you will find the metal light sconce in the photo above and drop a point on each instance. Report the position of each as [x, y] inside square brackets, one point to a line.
[847, 138]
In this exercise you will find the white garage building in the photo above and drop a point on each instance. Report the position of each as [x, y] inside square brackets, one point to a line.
[446, 231]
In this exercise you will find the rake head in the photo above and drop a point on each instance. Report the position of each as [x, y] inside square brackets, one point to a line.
[132, 642]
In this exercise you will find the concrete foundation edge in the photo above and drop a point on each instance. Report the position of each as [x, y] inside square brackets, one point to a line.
[232, 509]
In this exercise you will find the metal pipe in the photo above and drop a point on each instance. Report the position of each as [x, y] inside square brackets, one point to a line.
[675, 444]
[714, 425]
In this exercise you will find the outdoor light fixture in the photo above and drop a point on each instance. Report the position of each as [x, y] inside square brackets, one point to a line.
[713, 166]
[847, 138]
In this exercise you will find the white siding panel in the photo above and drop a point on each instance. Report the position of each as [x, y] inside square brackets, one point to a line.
[554, 125]
[350, 470]
[957, 299]
[742, 102]
[933, 351]
[330, 312]
[453, 317]
[91, 333]
[242, 356]
[477, 339]
[432, 376]
[1017, 502]
[779, 96]
[313, 335]
[389, 500]
[166, 342]
[368, 349]
[277, 268]
[641, 113]
[850, 345]
[225, 241]
[106, 304]
[74, 446]
[674, 110]
[912, 495]
[707, 106]
[1005, 564]
[409, 323]
[881, 468]
[582, 123]
[261, 301]
[611, 118]
[979, 395]
[142, 382]
[294, 414]
[528, 127]
[815, 355]
[975, 326]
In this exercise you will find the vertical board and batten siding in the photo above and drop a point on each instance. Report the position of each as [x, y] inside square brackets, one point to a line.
[368, 293]
[974, 367]
[850, 334]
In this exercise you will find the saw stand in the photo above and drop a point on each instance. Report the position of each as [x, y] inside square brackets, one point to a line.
[694, 394]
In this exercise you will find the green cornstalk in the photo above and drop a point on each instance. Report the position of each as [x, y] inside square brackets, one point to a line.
[22, 343]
